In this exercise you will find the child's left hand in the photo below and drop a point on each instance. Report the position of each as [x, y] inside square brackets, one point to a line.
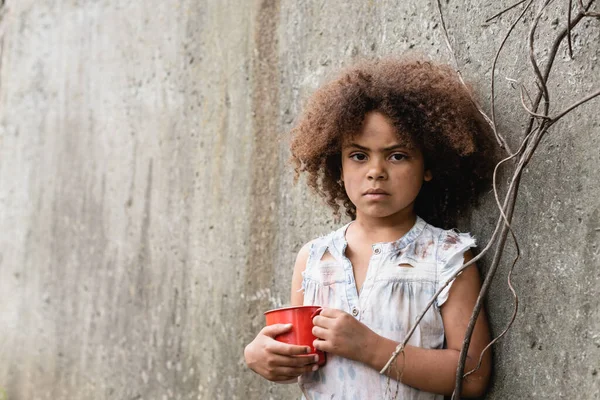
[341, 334]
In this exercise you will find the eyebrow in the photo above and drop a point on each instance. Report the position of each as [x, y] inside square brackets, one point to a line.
[394, 147]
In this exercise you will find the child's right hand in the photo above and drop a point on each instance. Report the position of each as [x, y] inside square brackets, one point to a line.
[277, 361]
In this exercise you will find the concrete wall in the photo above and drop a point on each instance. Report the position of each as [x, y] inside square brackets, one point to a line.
[148, 216]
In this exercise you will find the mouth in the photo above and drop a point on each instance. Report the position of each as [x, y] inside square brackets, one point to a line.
[376, 192]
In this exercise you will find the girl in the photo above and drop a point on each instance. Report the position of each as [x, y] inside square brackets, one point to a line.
[400, 145]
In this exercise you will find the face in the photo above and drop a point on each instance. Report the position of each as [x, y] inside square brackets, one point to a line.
[382, 173]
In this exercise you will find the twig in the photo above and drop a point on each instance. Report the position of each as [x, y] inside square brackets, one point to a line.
[401, 345]
[505, 10]
[528, 110]
[484, 289]
[532, 59]
[532, 142]
[500, 207]
[569, 40]
[535, 140]
[510, 323]
[585, 10]
[494, 73]
[522, 88]
[503, 225]
[506, 217]
[454, 275]
[514, 293]
[501, 142]
[447, 38]
[552, 56]
[573, 106]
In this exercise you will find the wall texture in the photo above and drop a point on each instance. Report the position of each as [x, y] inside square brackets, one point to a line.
[149, 217]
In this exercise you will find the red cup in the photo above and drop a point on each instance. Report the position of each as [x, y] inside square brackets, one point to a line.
[301, 333]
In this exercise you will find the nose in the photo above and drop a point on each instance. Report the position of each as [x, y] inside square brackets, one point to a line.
[376, 170]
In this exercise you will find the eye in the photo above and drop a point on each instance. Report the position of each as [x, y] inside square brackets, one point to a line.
[358, 156]
[397, 156]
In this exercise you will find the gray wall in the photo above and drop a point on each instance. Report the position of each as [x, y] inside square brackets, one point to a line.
[148, 215]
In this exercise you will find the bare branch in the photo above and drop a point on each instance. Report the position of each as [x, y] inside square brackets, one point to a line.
[528, 110]
[508, 326]
[533, 60]
[535, 141]
[559, 39]
[401, 346]
[484, 289]
[552, 57]
[531, 141]
[569, 39]
[527, 93]
[506, 217]
[507, 213]
[573, 106]
[522, 87]
[447, 38]
[498, 137]
[526, 150]
[501, 142]
[500, 207]
[491, 241]
[585, 12]
[505, 10]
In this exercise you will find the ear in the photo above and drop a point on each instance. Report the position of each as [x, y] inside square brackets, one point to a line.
[427, 176]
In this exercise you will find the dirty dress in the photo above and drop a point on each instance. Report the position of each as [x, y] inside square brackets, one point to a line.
[401, 279]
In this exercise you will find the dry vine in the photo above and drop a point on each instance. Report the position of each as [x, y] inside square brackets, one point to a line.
[539, 123]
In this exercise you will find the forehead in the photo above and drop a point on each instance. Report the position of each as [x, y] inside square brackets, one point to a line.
[378, 131]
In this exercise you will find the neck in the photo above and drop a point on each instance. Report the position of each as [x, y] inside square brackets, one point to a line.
[385, 229]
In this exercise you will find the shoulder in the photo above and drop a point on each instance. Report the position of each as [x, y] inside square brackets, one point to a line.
[447, 242]
[304, 253]
[297, 296]
[452, 251]
[300, 266]
[452, 243]
[312, 246]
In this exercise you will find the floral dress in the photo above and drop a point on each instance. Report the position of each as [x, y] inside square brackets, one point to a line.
[401, 279]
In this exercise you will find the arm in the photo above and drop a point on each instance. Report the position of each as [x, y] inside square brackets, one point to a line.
[273, 360]
[297, 296]
[431, 370]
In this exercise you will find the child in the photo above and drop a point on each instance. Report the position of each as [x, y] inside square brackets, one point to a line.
[400, 145]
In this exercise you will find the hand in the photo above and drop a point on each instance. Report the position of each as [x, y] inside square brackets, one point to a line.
[341, 334]
[277, 361]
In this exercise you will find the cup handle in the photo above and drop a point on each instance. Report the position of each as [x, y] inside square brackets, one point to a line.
[322, 354]
[316, 312]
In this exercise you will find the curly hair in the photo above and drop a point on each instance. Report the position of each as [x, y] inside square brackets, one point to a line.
[423, 99]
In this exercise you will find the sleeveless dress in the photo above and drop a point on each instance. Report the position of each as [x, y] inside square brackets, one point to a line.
[402, 277]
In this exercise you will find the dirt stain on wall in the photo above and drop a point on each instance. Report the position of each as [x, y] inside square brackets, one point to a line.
[264, 190]
[265, 161]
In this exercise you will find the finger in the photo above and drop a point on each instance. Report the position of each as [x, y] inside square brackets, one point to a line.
[285, 379]
[295, 362]
[322, 345]
[276, 329]
[323, 321]
[285, 373]
[330, 312]
[285, 349]
[320, 333]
